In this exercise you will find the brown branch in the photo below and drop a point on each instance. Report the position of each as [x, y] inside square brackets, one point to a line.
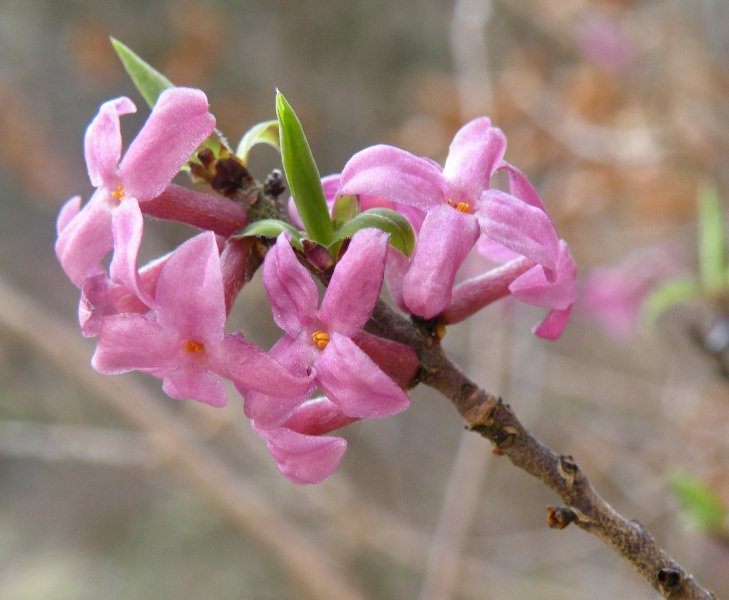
[496, 421]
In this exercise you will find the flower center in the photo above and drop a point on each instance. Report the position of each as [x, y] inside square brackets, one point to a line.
[463, 207]
[119, 194]
[321, 339]
[194, 347]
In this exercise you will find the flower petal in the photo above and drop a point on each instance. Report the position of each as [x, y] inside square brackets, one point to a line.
[249, 367]
[127, 228]
[291, 290]
[351, 379]
[179, 122]
[356, 283]
[394, 174]
[553, 325]
[534, 286]
[134, 342]
[303, 458]
[190, 291]
[86, 239]
[445, 240]
[474, 155]
[103, 142]
[519, 226]
[68, 212]
[191, 381]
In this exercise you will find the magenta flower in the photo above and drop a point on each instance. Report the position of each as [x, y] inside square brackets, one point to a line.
[318, 341]
[301, 450]
[459, 207]
[179, 122]
[183, 341]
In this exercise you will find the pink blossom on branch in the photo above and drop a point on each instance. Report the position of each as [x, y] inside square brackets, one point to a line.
[183, 341]
[460, 208]
[318, 341]
[179, 122]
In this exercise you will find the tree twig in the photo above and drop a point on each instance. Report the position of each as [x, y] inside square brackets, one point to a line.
[489, 416]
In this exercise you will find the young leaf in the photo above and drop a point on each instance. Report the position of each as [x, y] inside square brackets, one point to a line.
[665, 296]
[272, 228]
[303, 175]
[262, 133]
[150, 82]
[402, 236]
[345, 209]
[700, 504]
[712, 242]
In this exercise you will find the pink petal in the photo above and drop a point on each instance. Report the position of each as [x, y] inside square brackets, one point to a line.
[190, 381]
[521, 187]
[179, 122]
[303, 458]
[317, 417]
[445, 240]
[86, 239]
[291, 290]
[395, 269]
[553, 325]
[350, 379]
[475, 153]
[523, 228]
[190, 291]
[127, 228]
[101, 298]
[534, 287]
[249, 367]
[394, 174]
[67, 213]
[103, 142]
[356, 283]
[129, 342]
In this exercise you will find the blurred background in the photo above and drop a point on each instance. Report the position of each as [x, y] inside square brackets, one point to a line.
[616, 109]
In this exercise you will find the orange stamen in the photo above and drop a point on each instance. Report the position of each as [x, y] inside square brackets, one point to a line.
[321, 339]
[194, 347]
[463, 207]
[119, 194]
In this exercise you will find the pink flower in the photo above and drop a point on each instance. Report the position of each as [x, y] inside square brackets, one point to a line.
[318, 341]
[301, 451]
[179, 122]
[183, 340]
[461, 207]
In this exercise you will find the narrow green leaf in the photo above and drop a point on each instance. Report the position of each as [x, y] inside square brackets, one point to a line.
[345, 209]
[148, 80]
[262, 133]
[712, 241]
[700, 504]
[303, 175]
[666, 295]
[402, 236]
[272, 228]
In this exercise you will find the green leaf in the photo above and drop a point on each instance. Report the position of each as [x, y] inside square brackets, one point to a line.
[402, 236]
[700, 504]
[263, 133]
[666, 295]
[148, 80]
[712, 241]
[303, 175]
[345, 209]
[272, 228]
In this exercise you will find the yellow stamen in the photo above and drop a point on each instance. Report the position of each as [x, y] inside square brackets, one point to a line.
[321, 339]
[194, 347]
[119, 194]
[463, 207]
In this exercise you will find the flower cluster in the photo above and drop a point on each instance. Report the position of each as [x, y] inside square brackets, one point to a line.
[168, 318]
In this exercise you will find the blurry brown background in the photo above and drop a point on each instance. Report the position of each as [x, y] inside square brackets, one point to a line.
[616, 109]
